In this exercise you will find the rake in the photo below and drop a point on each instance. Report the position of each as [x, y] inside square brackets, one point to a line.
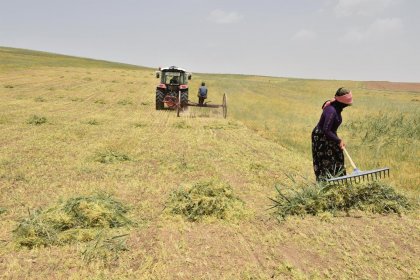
[358, 175]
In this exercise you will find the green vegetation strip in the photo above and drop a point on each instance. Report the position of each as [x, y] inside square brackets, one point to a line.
[77, 219]
[110, 156]
[36, 120]
[374, 197]
[205, 199]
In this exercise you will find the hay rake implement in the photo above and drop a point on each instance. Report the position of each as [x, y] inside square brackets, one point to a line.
[175, 103]
[358, 176]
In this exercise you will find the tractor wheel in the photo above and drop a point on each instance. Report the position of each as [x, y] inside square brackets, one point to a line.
[178, 106]
[159, 100]
[184, 99]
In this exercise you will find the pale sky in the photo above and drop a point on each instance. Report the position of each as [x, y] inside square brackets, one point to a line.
[320, 39]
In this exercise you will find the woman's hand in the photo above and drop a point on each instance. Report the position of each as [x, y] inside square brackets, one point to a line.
[342, 144]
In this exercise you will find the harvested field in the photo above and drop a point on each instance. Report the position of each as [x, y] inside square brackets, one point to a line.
[72, 127]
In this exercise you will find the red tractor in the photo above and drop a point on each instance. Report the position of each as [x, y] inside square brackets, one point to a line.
[173, 88]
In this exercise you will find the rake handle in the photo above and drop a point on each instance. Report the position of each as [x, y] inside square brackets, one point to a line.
[351, 161]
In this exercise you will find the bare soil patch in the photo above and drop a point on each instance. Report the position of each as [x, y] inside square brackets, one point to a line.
[393, 86]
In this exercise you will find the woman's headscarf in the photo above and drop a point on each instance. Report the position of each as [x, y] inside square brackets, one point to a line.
[342, 95]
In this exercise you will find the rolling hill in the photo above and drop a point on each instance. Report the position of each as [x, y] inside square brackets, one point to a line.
[73, 127]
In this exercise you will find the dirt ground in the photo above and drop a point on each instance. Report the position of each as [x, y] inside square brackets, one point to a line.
[393, 86]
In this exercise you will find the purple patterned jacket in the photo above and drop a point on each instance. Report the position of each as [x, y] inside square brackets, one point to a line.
[330, 121]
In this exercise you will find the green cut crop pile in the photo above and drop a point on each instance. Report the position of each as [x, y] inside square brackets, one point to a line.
[313, 199]
[77, 219]
[205, 199]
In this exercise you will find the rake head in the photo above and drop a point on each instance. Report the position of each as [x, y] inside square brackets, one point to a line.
[358, 176]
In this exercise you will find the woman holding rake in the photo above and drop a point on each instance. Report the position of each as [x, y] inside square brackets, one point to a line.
[327, 147]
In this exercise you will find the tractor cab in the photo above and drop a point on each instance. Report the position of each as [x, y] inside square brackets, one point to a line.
[173, 75]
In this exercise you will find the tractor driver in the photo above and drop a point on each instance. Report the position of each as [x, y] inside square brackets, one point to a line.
[202, 94]
[174, 80]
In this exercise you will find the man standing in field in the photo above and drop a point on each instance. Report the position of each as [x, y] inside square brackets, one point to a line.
[202, 94]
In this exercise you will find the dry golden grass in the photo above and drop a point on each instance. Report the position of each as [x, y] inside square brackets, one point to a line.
[102, 134]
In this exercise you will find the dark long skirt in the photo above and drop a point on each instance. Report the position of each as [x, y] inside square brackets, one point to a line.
[328, 158]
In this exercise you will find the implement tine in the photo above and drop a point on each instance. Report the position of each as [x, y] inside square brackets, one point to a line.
[359, 177]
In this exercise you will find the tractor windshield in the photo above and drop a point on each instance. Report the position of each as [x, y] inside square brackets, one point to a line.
[178, 78]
